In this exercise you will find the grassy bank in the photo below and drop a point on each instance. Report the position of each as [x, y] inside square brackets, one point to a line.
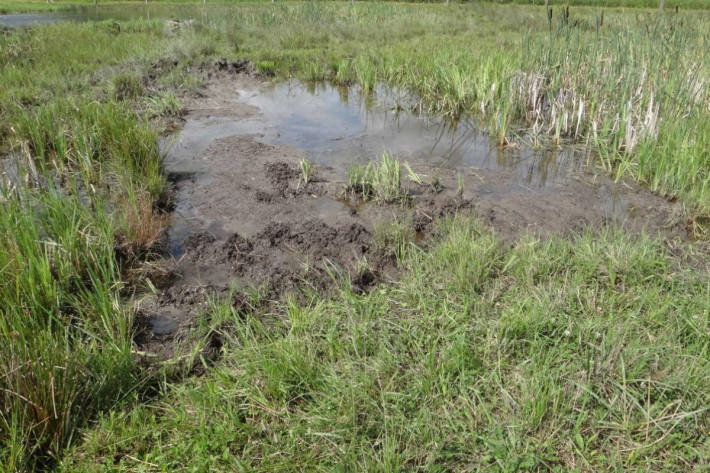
[75, 109]
[76, 211]
[589, 355]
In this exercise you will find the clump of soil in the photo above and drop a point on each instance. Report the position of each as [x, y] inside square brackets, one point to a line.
[238, 66]
[283, 255]
[429, 209]
[277, 235]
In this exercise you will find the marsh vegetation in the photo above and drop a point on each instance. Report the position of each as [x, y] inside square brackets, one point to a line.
[569, 353]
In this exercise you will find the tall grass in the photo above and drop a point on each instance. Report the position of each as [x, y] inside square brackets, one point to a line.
[73, 216]
[584, 355]
[381, 180]
[41, 5]
[66, 348]
[639, 96]
[630, 85]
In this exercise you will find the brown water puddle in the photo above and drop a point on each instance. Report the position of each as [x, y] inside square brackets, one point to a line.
[243, 216]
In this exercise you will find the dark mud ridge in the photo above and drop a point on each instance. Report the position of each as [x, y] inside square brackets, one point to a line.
[244, 219]
[298, 240]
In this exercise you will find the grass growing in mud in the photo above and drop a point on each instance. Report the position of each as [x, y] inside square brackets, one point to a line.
[468, 361]
[583, 355]
[79, 184]
[381, 180]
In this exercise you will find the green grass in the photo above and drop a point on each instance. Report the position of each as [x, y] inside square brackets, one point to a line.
[12, 6]
[628, 84]
[79, 214]
[467, 360]
[669, 4]
[307, 170]
[582, 355]
[394, 237]
[381, 181]
[66, 348]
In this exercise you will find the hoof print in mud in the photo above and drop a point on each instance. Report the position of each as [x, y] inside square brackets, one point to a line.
[273, 233]
[434, 208]
[238, 251]
[363, 281]
[263, 196]
[280, 175]
[197, 242]
[421, 220]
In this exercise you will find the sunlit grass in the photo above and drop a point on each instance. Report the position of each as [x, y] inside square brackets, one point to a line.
[378, 180]
[76, 212]
[583, 355]
[543, 355]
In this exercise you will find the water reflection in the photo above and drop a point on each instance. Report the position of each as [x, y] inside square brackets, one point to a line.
[342, 125]
[96, 13]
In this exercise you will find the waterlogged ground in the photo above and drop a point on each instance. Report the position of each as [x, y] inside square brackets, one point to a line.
[243, 216]
[482, 352]
[84, 14]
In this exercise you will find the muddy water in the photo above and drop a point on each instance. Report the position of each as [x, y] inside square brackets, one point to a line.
[97, 13]
[17, 20]
[338, 126]
[23, 20]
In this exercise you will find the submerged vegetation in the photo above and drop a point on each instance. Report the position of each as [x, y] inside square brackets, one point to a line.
[589, 354]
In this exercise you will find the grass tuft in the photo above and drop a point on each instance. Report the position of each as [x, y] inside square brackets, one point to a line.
[380, 181]
[307, 170]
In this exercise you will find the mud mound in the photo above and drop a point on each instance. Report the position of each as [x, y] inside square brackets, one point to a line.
[282, 255]
[280, 172]
[319, 239]
[238, 66]
[286, 181]
[431, 208]
[238, 249]
[198, 241]
[165, 320]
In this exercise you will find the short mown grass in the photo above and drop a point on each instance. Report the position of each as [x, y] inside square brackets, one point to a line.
[582, 355]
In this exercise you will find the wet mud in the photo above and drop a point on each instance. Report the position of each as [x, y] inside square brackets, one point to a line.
[245, 220]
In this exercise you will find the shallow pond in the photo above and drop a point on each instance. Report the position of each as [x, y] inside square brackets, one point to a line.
[515, 188]
[339, 126]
